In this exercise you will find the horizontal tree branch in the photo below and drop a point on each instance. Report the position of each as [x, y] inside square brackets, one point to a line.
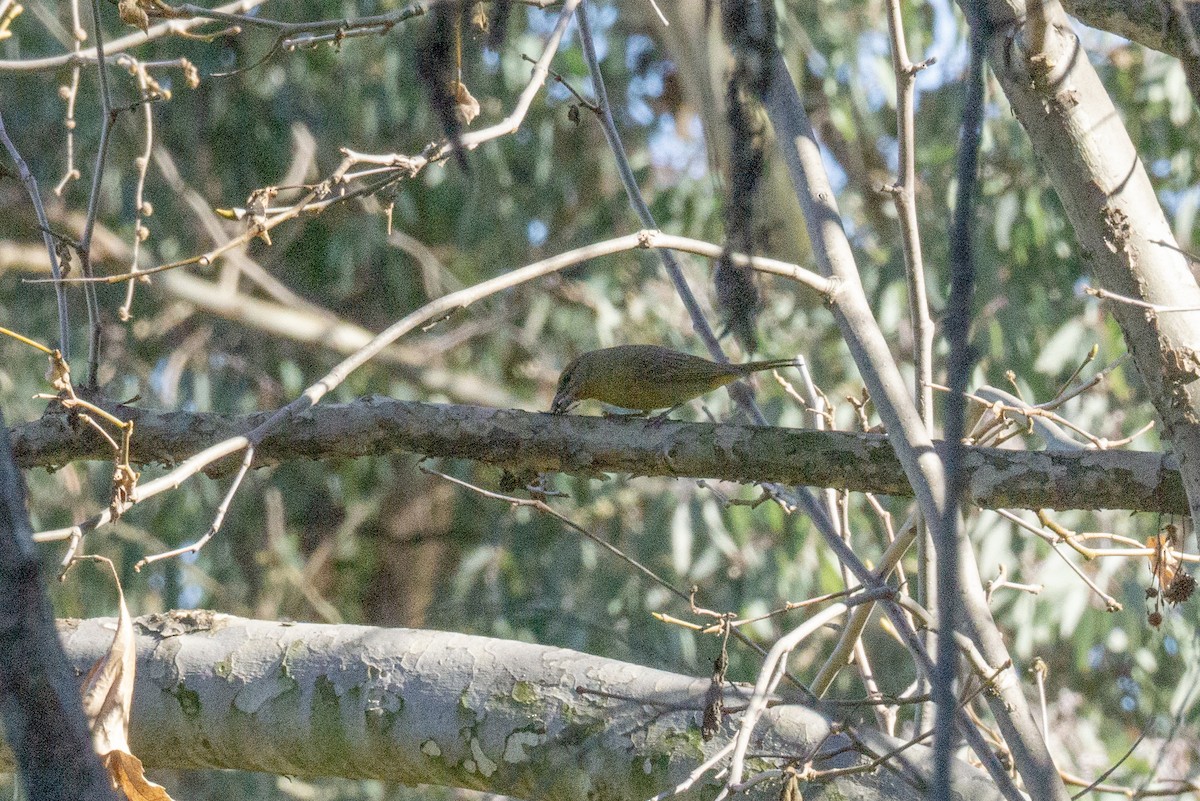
[576, 444]
[216, 691]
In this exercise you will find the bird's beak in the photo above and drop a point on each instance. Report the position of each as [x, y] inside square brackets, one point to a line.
[563, 402]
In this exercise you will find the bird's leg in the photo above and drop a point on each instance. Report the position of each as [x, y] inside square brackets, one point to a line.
[662, 417]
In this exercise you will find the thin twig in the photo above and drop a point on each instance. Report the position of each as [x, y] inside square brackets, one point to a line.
[768, 679]
[35, 197]
[629, 181]
[1157, 308]
[107, 119]
[1100, 779]
[218, 518]
[141, 206]
[546, 509]
[905, 195]
[542, 506]
[333, 189]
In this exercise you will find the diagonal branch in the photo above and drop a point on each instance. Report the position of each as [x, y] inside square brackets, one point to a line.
[907, 433]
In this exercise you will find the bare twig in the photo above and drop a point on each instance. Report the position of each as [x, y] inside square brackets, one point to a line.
[546, 509]
[35, 197]
[906, 432]
[541, 506]
[1157, 308]
[768, 680]
[107, 118]
[142, 207]
[918, 298]
[399, 167]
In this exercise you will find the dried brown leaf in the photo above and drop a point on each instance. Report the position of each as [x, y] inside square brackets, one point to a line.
[124, 482]
[791, 788]
[466, 107]
[129, 777]
[132, 13]
[257, 206]
[108, 688]
[1165, 561]
[59, 373]
[479, 18]
[107, 701]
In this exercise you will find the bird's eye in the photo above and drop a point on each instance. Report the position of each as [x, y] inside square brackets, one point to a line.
[564, 380]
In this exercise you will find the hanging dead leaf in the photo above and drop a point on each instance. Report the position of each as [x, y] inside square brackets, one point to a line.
[191, 74]
[479, 18]
[59, 373]
[107, 701]
[714, 711]
[124, 482]
[1165, 560]
[108, 688]
[128, 776]
[791, 788]
[466, 107]
[132, 13]
[257, 206]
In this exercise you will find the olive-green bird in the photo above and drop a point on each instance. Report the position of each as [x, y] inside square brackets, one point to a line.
[646, 377]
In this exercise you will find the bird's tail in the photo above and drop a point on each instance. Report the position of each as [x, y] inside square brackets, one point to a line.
[772, 364]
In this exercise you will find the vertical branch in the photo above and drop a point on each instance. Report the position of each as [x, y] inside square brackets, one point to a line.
[958, 329]
[906, 205]
[961, 600]
[904, 193]
[140, 232]
[906, 432]
[71, 94]
[39, 700]
[85, 241]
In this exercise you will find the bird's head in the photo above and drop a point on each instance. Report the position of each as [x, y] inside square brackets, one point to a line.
[571, 387]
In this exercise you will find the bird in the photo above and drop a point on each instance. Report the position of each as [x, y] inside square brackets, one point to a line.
[646, 377]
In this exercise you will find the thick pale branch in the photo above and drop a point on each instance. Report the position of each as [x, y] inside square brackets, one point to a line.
[1122, 232]
[430, 707]
[577, 444]
[908, 435]
[1149, 22]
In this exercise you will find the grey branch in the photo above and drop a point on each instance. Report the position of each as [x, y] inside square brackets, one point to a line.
[576, 444]
[1152, 23]
[430, 707]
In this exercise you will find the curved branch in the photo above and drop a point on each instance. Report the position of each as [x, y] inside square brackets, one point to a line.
[118, 46]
